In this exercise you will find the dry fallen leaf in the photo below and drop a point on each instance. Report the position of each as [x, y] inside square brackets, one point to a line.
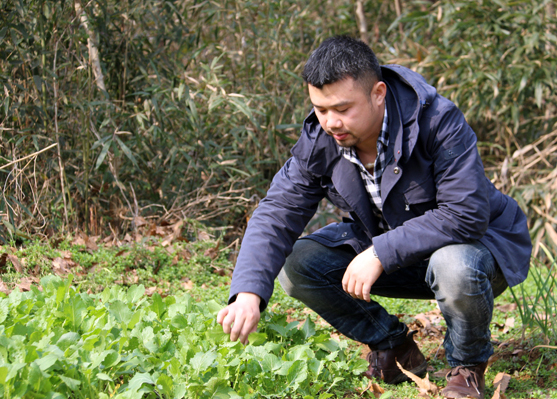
[3, 260]
[188, 285]
[501, 382]
[509, 323]
[78, 241]
[213, 252]
[26, 282]
[203, 236]
[506, 308]
[139, 221]
[88, 242]
[373, 388]
[219, 270]
[519, 352]
[150, 291]
[441, 373]
[185, 254]
[424, 321]
[492, 359]
[4, 288]
[427, 388]
[16, 263]
[176, 232]
[60, 266]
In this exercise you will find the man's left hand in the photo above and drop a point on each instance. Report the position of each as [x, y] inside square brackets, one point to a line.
[361, 274]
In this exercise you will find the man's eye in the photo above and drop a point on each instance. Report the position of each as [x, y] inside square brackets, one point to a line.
[343, 110]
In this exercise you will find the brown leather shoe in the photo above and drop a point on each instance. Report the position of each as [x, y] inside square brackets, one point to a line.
[382, 363]
[465, 382]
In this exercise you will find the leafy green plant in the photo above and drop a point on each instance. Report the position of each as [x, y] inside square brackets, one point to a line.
[60, 342]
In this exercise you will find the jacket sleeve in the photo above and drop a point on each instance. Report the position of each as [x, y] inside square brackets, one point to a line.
[461, 194]
[275, 225]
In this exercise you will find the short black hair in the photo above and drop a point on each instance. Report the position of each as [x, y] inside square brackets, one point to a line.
[339, 57]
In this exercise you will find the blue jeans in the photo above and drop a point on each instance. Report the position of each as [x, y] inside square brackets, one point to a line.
[463, 279]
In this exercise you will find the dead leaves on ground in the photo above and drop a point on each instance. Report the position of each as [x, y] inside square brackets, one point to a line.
[501, 382]
[374, 388]
[426, 387]
[430, 390]
[65, 263]
[430, 323]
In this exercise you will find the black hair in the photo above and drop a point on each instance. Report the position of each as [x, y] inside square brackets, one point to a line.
[339, 57]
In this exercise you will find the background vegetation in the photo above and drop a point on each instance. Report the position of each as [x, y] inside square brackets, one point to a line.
[185, 109]
[160, 118]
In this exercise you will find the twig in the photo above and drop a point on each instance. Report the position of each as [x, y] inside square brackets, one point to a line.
[28, 156]
[135, 209]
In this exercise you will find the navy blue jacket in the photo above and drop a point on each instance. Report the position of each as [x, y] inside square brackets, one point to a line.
[434, 192]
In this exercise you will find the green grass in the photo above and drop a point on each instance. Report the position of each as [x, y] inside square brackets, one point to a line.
[190, 267]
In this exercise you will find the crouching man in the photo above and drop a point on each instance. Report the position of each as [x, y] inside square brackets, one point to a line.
[426, 223]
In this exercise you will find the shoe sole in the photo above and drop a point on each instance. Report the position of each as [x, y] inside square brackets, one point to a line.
[420, 371]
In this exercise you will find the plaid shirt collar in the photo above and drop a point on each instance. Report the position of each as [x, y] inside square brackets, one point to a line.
[382, 145]
[372, 181]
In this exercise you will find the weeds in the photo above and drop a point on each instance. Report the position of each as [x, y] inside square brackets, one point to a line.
[538, 306]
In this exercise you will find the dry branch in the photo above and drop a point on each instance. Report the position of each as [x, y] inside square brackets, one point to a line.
[28, 156]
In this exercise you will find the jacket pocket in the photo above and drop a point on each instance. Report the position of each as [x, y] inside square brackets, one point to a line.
[336, 234]
[421, 197]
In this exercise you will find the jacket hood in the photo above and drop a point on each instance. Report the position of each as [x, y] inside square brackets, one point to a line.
[407, 95]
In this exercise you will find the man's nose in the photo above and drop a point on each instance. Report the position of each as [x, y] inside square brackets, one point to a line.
[333, 122]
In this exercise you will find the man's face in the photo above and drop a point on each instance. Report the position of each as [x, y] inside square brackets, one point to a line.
[349, 114]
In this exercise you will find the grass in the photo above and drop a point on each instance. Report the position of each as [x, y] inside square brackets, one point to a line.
[203, 270]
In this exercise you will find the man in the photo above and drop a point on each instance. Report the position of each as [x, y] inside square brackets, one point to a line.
[426, 223]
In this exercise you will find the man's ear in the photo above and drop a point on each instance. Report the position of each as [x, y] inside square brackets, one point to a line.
[378, 93]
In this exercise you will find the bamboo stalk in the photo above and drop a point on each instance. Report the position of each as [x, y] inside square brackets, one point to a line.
[93, 47]
[361, 21]
[398, 9]
[60, 164]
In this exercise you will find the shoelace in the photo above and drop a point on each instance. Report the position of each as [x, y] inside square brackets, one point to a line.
[375, 370]
[470, 377]
[372, 359]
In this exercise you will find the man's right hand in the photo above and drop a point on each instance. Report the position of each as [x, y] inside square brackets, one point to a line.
[240, 318]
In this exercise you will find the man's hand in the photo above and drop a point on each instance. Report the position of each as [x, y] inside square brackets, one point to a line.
[361, 274]
[240, 318]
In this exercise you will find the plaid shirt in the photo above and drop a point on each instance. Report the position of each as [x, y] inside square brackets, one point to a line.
[372, 182]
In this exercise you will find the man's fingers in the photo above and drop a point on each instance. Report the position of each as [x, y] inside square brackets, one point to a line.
[228, 321]
[221, 315]
[345, 280]
[244, 325]
[240, 318]
[366, 288]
